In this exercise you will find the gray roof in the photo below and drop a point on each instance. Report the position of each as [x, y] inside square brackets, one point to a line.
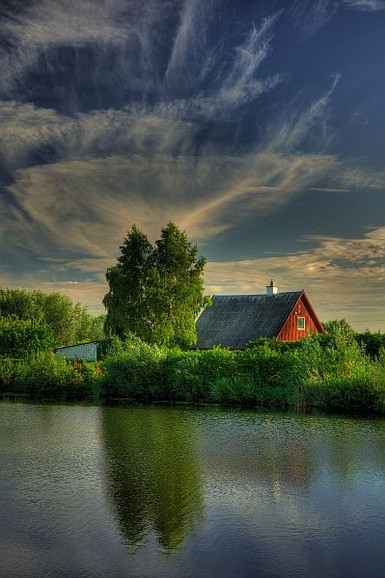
[233, 320]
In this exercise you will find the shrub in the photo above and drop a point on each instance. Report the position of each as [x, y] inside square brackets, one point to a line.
[183, 376]
[372, 343]
[234, 390]
[134, 372]
[48, 376]
[6, 374]
[355, 395]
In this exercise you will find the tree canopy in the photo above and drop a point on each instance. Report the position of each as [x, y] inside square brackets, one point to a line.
[156, 291]
[67, 322]
[19, 337]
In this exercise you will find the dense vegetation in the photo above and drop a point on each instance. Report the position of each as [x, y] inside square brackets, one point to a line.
[156, 291]
[330, 372]
[34, 321]
[340, 372]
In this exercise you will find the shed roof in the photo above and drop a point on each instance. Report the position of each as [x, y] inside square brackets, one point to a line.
[233, 320]
[96, 341]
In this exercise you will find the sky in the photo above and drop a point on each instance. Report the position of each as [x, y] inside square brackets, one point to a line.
[257, 126]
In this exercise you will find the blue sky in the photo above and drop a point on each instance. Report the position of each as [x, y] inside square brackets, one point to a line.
[257, 126]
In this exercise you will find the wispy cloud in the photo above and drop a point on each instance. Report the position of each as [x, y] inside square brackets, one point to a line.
[49, 22]
[110, 169]
[36, 27]
[365, 5]
[154, 130]
[310, 15]
[311, 124]
[336, 273]
[240, 85]
[192, 57]
[166, 48]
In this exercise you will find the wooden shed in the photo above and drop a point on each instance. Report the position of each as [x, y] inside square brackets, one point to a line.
[234, 320]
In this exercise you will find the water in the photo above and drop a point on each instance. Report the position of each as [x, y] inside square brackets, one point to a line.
[142, 492]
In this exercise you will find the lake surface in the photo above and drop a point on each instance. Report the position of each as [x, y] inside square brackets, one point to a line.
[141, 492]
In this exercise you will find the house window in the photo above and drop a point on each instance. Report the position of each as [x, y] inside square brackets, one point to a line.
[301, 323]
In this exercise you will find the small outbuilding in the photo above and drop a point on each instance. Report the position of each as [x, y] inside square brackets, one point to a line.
[234, 320]
[81, 351]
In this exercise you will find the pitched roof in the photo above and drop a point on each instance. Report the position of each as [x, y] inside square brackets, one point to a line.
[233, 320]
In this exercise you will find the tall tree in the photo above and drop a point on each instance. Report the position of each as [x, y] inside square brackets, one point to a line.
[156, 291]
[177, 290]
[126, 302]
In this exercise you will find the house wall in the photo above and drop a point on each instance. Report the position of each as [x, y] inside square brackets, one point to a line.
[83, 351]
[289, 331]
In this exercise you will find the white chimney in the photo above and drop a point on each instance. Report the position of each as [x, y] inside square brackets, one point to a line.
[271, 289]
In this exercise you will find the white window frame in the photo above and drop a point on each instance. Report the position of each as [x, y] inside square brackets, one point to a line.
[301, 321]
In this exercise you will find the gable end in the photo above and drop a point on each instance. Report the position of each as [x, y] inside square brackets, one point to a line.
[301, 321]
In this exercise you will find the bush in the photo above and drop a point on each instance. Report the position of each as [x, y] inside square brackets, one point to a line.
[133, 371]
[356, 395]
[371, 343]
[234, 390]
[332, 373]
[48, 376]
[6, 374]
[183, 376]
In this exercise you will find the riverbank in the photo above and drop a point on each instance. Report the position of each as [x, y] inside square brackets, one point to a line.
[313, 374]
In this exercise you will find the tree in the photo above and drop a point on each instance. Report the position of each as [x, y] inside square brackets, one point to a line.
[19, 337]
[68, 322]
[177, 288]
[156, 291]
[126, 302]
[338, 333]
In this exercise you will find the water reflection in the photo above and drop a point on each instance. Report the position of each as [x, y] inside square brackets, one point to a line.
[294, 495]
[292, 451]
[95, 492]
[152, 468]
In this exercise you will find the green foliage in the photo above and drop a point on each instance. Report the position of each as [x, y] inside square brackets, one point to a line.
[156, 291]
[184, 381]
[127, 300]
[7, 374]
[176, 290]
[372, 343]
[328, 372]
[270, 367]
[133, 371]
[359, 394]
[331, 372]
[67, 322]
[234, 390]
[273, 344]
[338, 333]
[194, 373]
[277, 375]
[141, 372]
[19, 337]
[47, 376]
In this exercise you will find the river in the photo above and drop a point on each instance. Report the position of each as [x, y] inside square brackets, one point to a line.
[91, 491]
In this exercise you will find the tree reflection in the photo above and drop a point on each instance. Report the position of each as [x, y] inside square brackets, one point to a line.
[153, 476]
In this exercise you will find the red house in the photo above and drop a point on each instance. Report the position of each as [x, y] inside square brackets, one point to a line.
[233, 320]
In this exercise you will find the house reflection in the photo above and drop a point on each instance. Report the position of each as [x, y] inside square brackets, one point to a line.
[153, 477]
[288, 453]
